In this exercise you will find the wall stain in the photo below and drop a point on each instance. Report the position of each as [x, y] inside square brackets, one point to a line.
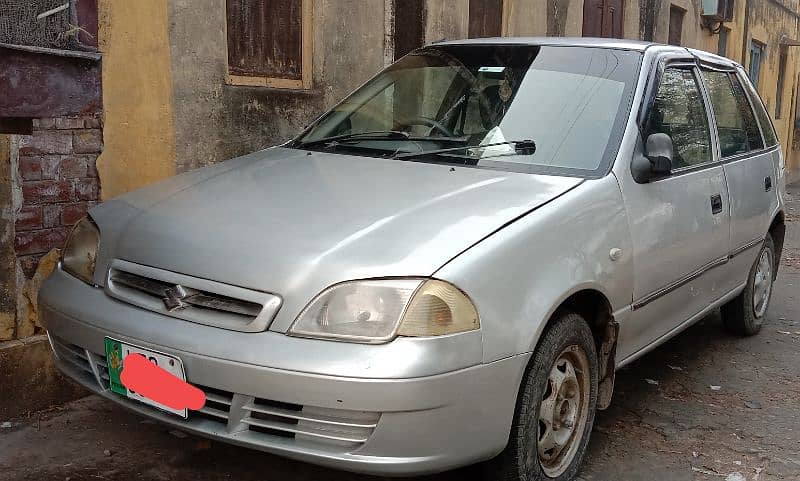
[557, 17]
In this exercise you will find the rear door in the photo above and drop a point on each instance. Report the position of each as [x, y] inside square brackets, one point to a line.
[749, 159]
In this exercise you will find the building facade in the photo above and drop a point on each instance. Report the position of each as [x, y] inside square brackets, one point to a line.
[186, 83]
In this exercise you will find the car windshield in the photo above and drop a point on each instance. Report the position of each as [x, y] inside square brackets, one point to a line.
[537, 109]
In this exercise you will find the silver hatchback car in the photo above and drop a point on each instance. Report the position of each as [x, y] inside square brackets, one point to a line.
[446, 268]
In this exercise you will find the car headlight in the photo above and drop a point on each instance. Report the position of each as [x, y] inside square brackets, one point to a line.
[375, 311]
[80, 252]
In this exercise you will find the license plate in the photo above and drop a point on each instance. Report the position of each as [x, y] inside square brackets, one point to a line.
[117, 351]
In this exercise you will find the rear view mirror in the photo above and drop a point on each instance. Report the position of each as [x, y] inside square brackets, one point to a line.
[657, 160]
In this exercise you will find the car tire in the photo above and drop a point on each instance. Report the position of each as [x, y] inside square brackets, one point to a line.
[744, 315]
[547, 396]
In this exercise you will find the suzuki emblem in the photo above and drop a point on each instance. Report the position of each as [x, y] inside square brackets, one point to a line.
[173, 298]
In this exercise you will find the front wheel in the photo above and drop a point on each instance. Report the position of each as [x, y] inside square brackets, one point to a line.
[744, 315]
[556, 407]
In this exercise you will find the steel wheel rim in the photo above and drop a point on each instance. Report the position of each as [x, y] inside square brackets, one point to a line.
[563, 411]
[762, 284]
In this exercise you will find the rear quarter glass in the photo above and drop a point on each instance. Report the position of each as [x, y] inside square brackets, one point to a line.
[770, 139]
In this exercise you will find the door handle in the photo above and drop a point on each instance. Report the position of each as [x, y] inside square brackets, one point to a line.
[716, 204]
[768, 184]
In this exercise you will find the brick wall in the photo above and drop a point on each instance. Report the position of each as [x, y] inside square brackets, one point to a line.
[58, 175]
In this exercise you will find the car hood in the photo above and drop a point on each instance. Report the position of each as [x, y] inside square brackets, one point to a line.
[292, 222]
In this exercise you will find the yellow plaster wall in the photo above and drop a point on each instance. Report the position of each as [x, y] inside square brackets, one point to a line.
[139, 133]
[768, 27]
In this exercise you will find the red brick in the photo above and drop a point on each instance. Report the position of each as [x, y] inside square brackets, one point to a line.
[68, 123]
[72, 168]
[51, 215]
[46, 142]
[50, 165]
[39, 241]
[72, 213]
[87, 189]
[47, 191]
[93, 122]
[30, 168]
[44, 124]
[88, 141]
[91, 167]
[29, 218]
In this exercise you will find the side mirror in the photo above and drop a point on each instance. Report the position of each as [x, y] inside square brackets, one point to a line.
[657, 160]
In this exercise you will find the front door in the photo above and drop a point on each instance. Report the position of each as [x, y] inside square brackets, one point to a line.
[602, 18]
[680, 225]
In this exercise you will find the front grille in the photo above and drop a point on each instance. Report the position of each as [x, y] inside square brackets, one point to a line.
[191, 299]
[218, 405]
[312, 424]
[81, 363]
[234, 414]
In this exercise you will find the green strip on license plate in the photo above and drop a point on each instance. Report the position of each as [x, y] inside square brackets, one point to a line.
[114, 360]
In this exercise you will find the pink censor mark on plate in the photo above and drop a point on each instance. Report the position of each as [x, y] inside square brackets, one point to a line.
[156, 384]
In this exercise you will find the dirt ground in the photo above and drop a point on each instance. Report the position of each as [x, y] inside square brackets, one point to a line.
[704, 406]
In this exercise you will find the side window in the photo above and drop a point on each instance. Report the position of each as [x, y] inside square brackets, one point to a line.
[770, 139]
[678, 111]
[736, 123]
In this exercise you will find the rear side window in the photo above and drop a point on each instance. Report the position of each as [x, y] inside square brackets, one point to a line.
[770, 139]
[736, 122]
[678, 111]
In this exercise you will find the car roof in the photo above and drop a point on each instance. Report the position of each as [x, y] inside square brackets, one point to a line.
[617, 43]
[561, 41]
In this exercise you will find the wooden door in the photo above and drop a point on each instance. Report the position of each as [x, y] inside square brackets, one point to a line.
[409, 26]
[485, 18]
[603, 18]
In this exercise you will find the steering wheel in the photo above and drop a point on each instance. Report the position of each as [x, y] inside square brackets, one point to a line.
[427, 122]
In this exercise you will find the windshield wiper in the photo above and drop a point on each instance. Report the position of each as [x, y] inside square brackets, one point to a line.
[525, 147]
[377, 135]
[371, 135]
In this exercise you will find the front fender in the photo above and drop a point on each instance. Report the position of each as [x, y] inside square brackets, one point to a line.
[520, 275]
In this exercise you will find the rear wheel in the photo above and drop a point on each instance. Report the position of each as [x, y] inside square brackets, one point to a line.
[744, 315]
[556, 407]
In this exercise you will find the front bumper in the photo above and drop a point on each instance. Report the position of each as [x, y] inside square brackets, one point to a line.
[381, 425]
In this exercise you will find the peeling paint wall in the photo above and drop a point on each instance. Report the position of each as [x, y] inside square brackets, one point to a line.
[215, 121]
[137, 95]
[177, 111]
[447, 20]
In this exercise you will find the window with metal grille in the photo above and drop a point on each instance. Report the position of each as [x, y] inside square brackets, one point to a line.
[756, 55]
[269, 42]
